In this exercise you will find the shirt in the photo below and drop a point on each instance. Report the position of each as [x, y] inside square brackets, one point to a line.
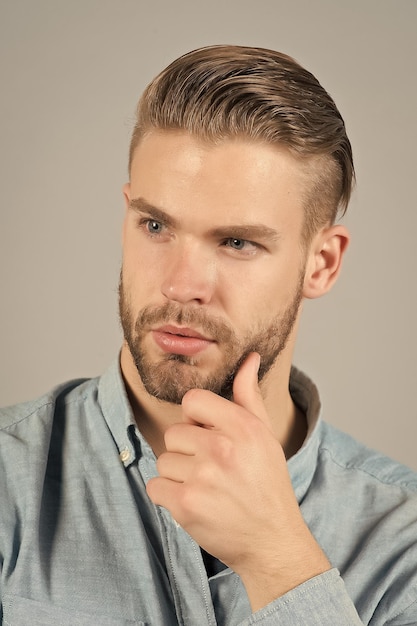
[81, 542]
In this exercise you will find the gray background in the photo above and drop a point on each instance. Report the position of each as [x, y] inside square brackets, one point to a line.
[71, 73]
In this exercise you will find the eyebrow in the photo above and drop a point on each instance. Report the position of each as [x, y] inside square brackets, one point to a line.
[139, 205]
[258, 232]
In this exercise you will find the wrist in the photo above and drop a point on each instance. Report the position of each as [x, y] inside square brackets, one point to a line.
[278, 573]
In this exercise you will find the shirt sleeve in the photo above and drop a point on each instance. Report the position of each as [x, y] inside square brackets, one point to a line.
[321, 601]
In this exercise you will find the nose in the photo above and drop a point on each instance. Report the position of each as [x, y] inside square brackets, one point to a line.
[190, 275]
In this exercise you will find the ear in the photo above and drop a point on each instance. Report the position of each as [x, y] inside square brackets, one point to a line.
[127, 196]
[324, 260]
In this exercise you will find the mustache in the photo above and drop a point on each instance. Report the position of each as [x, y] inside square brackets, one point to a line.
[193, 317]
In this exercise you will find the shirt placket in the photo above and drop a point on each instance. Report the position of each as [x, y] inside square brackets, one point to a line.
[184, 563]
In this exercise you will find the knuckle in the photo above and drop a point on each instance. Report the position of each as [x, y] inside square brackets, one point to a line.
[169, 438]
[161, 463]
[187, 503]
[224, 450]
[204, 474]
[151, 489]
[172, 435]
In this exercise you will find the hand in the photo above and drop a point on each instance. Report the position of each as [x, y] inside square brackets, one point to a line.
[224, 479]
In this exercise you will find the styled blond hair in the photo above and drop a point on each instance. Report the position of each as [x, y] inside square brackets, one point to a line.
[222, 92]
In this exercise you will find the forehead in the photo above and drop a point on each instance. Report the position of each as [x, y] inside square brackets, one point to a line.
[238, 177]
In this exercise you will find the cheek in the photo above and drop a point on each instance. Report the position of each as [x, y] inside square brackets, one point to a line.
[264, 283]
[143, 266]
[255, 298]
[137, 286]
[246, 296]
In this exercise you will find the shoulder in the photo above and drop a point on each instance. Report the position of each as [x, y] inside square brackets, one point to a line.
[22, 414]
[29, 433]
[346, 453]
[339, 453]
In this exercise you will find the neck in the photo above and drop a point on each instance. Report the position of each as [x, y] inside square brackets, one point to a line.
[153, 417]
[289, 422]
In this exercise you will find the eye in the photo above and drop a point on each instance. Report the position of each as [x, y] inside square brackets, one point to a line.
[237, 244]
[154, 227]
[241, 245]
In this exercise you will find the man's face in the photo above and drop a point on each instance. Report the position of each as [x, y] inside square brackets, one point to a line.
[213, 263]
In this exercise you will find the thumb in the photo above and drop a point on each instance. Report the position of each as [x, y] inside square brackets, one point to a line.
[246, 391]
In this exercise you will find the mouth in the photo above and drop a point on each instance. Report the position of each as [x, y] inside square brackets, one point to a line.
[177, 340]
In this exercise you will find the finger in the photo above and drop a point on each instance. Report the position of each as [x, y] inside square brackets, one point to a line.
[246, 391]
[164, 492]
[203, 408]
[209, 412]
[186, 437]
[185, 505]
[174, 466]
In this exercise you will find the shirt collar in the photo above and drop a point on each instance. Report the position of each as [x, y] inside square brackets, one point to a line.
[117, 412]
[119, 417]
[302, 465]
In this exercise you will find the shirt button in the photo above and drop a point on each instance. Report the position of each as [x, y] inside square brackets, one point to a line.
[124, 455]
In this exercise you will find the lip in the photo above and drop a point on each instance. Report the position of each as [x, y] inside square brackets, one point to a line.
[177, 340]
[181, 331]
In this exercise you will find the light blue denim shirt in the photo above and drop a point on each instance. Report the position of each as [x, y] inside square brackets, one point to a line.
[81, 543]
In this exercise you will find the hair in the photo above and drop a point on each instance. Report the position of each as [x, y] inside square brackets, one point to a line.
[223, 92]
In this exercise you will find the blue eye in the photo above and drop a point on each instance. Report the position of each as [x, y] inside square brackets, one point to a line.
[154, 227]
[245, 247]
[237, 244]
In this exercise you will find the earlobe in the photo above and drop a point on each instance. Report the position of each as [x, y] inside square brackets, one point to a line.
[325, 260]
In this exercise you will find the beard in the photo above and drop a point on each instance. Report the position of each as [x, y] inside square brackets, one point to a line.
[169, 378]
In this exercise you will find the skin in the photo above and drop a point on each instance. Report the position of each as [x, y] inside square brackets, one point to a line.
[222, 460]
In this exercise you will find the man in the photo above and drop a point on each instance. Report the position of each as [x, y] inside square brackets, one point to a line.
[194, 483]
